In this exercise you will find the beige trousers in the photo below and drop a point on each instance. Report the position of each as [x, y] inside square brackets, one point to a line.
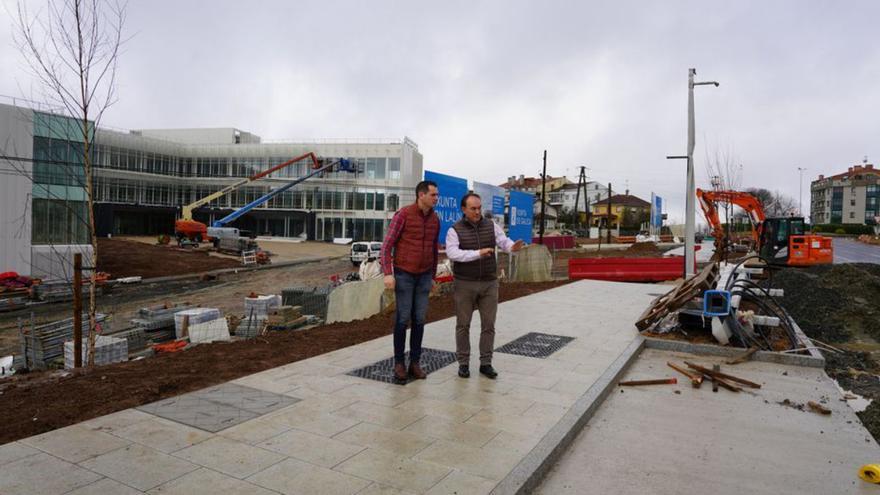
[468, 296]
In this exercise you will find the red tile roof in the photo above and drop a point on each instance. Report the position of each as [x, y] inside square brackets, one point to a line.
[625, 200]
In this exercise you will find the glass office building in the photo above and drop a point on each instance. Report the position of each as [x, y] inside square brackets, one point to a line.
[143, 177]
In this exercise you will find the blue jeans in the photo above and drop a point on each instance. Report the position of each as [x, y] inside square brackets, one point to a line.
[411, 298]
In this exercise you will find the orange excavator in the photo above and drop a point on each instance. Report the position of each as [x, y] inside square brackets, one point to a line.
[779, 241]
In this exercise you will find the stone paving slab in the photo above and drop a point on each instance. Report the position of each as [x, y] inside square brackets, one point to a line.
[43, 474]
[676, 439]
[337, 433]
[220, 407]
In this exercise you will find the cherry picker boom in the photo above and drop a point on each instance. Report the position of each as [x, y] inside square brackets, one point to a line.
[228, 238]
[187, 228]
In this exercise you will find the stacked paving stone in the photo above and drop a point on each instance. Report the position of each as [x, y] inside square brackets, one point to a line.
[44, 344]
[194, 316]
[313, 300]
[107, 350]
[158, 321]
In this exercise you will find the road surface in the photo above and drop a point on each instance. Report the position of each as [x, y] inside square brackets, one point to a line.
[852, 251]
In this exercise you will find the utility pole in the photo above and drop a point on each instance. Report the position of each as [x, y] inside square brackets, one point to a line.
[77, 310]
[608, 224]
[543, 189]
[690, 220]
[582, 180]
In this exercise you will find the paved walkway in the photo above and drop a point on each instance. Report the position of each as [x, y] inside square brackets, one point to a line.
[676, 439]
[311, 427]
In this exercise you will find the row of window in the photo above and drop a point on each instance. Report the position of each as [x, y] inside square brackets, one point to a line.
[60, 162]
[870, 202]
[123, 191]
[362, 229]
[374, 168]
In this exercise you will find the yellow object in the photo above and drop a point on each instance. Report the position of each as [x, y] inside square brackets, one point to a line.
[870, 473]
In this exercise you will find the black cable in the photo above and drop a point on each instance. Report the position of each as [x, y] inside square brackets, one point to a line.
[733, 278]
[739, 332]
[779, 312]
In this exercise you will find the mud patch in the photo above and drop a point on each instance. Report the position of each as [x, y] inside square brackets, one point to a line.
[837, 304]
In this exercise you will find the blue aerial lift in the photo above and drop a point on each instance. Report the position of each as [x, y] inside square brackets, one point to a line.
[229, 238]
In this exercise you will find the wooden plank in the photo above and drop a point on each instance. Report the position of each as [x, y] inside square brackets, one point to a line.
[721, 375]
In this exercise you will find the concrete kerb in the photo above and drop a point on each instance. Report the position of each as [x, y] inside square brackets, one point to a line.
[526, 476]
[814, 360]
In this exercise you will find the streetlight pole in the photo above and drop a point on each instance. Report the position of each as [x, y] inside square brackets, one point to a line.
[543, 202]
[690, 220]
[801, 190]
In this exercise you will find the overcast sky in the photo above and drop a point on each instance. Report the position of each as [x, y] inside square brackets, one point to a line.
[485, 87]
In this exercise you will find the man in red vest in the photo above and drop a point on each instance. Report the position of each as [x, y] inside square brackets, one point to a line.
[409, 262]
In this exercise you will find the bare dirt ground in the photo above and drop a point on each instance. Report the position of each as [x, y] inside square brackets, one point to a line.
[289, 251]
[837, 304]
[281, 250]
[638, 250]
[38, 402]
[126, 258]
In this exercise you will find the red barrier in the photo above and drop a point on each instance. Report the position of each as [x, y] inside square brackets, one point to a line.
[627, 269]
[556, 241]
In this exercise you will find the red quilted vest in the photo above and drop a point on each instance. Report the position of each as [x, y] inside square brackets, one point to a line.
[414, 252]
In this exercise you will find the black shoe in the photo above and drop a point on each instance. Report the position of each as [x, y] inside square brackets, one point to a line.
[464, 371]
[488, 371]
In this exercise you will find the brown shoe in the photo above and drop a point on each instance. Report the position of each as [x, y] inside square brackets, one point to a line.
[417, 372]
[400, 372]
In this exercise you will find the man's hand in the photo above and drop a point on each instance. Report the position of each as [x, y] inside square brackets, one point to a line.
[485, 252]
[517, 245]
[389, 282]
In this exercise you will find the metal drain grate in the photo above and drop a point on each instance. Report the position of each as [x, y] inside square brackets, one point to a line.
[383, 371]
[535, 344]
[217, 408]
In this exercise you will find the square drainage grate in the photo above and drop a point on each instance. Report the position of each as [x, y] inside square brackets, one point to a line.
[535, 344]
[383, 371]
[217, 408]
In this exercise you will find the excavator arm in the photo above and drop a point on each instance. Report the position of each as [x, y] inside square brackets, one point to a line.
[744, 200]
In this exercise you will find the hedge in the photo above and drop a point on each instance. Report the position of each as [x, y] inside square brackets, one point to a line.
[847, 228]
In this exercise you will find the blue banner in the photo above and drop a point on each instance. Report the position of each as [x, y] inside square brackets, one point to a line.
[521, 213]
[492, 197]
[656, 211]
[448, 208]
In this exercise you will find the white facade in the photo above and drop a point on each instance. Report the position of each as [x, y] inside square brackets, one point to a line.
[564, 197]
[15, 189]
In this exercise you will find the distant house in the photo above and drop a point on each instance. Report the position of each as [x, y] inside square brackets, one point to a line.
[563, 198]
[626, 211]
[551, 216]
[533, 184]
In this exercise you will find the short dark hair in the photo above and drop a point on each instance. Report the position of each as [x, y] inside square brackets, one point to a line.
[470, 194]
[424, 186]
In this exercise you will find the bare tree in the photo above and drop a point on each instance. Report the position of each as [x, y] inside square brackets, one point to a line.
[72, 47]
[775, 204]
[724, 164]
[725, 173]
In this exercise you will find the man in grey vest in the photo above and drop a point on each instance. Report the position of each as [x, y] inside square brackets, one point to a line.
[470, 244]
